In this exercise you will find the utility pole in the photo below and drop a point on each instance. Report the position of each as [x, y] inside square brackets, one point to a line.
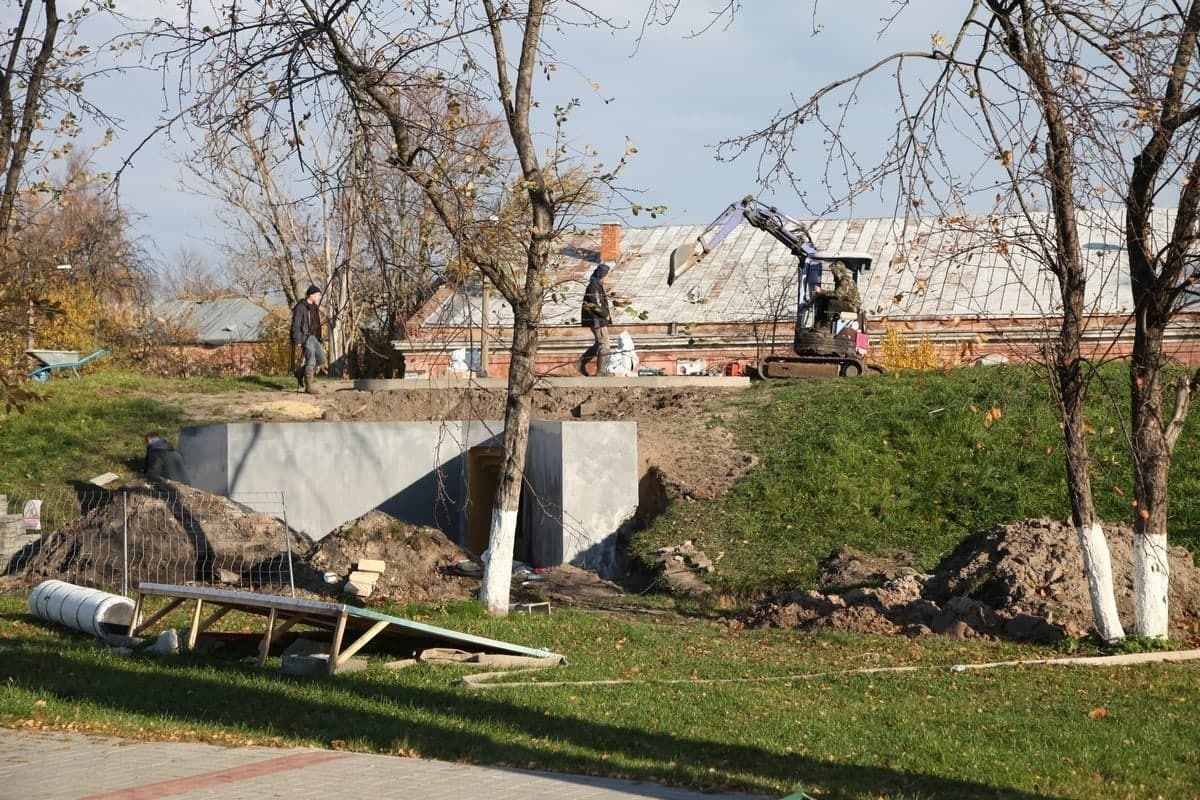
[484, 348]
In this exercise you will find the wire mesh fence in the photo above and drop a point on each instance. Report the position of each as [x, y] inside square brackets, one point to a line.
[160, 532]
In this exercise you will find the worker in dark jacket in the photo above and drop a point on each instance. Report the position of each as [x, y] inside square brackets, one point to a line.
[306, 334]
[164, 461]
[597, 316]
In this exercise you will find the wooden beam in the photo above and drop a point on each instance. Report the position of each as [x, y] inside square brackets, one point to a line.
[336, 647]
[194, 631]
[360, 642]
[264, 651]
[290, 623]
[214, 617]
[156, 616]
[137, 612]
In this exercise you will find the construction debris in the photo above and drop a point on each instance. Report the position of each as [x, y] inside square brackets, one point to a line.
[681, 566]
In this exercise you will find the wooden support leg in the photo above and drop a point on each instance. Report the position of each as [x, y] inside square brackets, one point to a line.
[194, 631]
[137, 613]
[214, 617]
[264, 650]
[157, 615]
[336, 648]
[360, 642]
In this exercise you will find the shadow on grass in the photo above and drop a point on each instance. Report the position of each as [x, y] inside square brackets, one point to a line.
[445, 724]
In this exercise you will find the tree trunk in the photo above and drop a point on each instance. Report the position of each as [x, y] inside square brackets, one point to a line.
[1151, 467]
[1097, 563]
[497, 573]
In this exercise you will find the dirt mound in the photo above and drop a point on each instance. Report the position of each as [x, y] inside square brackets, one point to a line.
[417, 559]
[172, 533]
[1022, 581]
[847, 568]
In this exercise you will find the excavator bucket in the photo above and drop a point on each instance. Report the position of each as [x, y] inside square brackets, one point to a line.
[683, 258]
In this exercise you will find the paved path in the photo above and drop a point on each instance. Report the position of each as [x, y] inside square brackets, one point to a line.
[50, 766]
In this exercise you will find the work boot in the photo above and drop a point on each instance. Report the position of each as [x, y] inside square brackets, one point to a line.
[299, 374]
[309, 388]
[582, 367]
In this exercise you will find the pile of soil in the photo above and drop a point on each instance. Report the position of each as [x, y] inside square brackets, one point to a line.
[176, 534]
[417, 560]
[1022, 581]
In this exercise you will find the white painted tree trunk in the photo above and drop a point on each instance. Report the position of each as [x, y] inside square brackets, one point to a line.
[1150, 581]
[497, 574]
[1097, 565]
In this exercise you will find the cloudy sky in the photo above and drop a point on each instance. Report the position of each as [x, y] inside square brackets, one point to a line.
[674, 95]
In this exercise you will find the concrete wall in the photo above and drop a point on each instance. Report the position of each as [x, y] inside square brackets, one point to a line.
[333, 472]
[581, 477]
[541, 503]
[599, 490]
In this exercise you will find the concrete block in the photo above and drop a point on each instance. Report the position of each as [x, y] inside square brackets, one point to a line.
[363, 578]
[371, 565]
[306, 647]
[361, 591]
[317, 665]
[400, 664]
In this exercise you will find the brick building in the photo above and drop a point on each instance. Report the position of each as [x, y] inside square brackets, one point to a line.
[970, 285]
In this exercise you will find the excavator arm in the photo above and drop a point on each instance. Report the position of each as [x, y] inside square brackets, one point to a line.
[790, 232]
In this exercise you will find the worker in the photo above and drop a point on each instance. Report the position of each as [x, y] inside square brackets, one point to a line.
[596, 315]
[306, 334]
[842, 297]
[163, 460]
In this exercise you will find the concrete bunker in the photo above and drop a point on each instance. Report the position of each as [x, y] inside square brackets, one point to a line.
[581, 482]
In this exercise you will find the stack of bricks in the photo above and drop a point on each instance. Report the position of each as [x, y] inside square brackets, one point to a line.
[362, 580]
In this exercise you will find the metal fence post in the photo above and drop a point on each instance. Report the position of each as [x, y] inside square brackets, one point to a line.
[287, 542]
[125, 543]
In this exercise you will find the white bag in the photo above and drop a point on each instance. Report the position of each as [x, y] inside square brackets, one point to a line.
[623, 361]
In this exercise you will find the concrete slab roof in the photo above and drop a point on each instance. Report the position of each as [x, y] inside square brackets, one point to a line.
[968, 268]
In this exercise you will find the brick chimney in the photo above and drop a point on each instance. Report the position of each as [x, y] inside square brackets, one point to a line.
[610, 242]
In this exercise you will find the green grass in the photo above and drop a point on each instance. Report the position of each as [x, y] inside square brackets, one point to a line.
[81, 428]
[934, 733]
[908, 461]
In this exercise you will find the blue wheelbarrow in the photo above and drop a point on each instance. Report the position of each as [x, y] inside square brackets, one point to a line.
[52, 360]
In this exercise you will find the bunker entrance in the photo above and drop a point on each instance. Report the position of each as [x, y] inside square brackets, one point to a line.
[483, 476]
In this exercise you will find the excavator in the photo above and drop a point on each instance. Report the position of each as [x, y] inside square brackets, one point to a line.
[830, 330]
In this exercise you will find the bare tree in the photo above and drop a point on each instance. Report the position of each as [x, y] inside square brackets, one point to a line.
[42, 108]
[1071, 105]
[303, 56]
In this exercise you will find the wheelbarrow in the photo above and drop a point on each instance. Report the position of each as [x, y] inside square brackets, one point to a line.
[52, 360]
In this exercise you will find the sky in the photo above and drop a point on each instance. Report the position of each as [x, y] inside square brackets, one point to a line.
[673, 95]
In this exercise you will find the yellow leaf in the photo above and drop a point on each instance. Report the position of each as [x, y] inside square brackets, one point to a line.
[1098, 713]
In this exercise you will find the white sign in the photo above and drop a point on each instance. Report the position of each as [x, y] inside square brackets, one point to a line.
[33, 515]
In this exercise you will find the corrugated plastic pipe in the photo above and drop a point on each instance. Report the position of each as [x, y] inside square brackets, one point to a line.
[88, 610]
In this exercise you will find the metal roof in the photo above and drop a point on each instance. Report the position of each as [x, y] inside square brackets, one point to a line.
[219, 321]
[965, 268]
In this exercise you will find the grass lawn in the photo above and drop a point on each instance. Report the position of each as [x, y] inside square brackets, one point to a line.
[1024, 732]
[910, 461]
[81, 428]
[914, 461]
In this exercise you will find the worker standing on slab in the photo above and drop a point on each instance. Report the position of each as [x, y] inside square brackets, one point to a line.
[597, 315]
[306, 334]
